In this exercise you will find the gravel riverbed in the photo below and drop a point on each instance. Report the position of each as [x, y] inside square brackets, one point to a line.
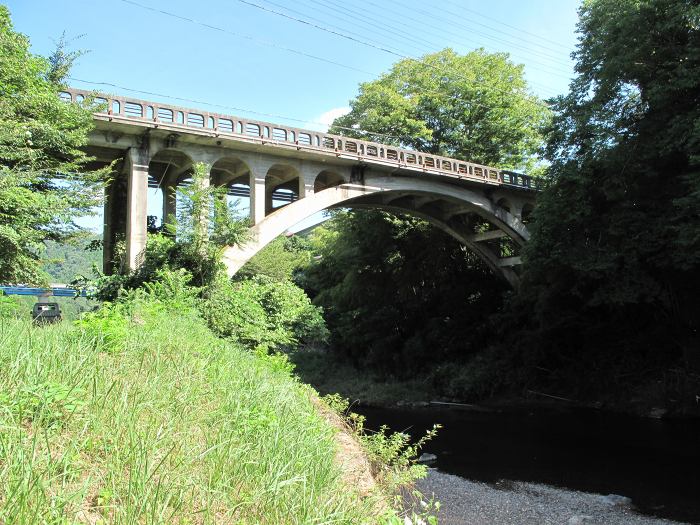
[464, 502]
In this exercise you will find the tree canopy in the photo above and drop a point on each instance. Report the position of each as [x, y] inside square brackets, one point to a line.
[397, 291]
[475, 106]
[43, 180]
[615, 251]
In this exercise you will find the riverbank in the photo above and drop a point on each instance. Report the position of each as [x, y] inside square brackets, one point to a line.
[329, 375]
[464, 502]
[142, 414]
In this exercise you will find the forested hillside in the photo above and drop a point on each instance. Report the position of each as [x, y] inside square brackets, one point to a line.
[67, 262]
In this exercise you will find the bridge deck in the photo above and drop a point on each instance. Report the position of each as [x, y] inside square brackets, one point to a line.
[168, 117]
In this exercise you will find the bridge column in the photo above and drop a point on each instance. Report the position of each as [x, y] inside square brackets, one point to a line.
[114, 225]
[202, 183]
[169, 202]
[306, 183]
[257, 196]
[136, 206]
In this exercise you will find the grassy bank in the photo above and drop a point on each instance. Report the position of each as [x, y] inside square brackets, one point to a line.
[142, 415]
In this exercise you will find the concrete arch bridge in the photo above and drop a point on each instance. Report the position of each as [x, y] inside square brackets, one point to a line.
[289, 174]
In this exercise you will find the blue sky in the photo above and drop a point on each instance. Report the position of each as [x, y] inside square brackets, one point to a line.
[235, 53]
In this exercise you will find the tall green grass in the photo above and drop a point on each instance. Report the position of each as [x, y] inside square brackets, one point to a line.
[142, 415]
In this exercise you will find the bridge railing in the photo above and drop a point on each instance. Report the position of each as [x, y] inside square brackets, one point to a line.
[156, 114]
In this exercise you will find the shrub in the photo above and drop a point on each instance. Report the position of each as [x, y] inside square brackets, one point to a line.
[261, 312]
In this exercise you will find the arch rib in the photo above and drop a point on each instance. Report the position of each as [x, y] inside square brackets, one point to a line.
[281, 220]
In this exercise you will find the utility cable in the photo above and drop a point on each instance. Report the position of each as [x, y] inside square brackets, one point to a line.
[247, 37]
[361, 17]
[341, 35]
[352, 17]
[209, 26]
[477, 13]
[356, 130]
[232, 108]
[423, 22]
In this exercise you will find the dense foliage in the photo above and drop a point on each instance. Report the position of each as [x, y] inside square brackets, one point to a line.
[474, 106]
[397, 291]
[399, 295]
[280, 260]
[66, 262]
[140, 414]
[612, 267]
[40, 139]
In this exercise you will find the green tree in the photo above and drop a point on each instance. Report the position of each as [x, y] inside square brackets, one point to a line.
[475, 106]
[279, 260]
[615, 252]
[43, 180]
[399, 295]
[396, 291]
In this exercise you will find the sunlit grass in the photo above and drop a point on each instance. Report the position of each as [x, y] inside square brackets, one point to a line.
[169, 425]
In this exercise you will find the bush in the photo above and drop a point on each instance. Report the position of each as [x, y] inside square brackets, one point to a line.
[261, 312]
[9, 306]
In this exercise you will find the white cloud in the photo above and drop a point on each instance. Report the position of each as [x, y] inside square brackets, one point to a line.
[321, 122]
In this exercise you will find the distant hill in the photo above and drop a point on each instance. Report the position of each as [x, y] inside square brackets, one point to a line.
[66, 262]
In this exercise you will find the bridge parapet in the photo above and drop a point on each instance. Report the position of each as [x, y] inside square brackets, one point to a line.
[176, 118]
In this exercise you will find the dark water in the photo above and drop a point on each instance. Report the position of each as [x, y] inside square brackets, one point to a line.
[654, 462]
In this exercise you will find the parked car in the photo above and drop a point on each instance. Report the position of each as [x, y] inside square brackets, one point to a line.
[46, 313]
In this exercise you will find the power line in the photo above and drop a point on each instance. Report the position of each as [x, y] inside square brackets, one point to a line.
[358, 130]
[247, 37]
[337, 33]
[404, 138]
[477, 13]
[321, 28]
[343, 36]
[351, 16]
[424, 23]
[345, 30]
[456, 18]
[422, 27]
[216, 28]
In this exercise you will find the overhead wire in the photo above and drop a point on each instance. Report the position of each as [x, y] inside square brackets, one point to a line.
[454, 19]
[247, 37]
[276, 116]
[352, 17]
[328, 24]
[395, 16]
[431, 46]
[369, 44]
[230, 108]
[424, 23]
[501, 22]
[380, 47]
[216, 28]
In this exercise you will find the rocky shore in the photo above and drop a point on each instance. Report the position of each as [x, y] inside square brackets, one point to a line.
[464, 502]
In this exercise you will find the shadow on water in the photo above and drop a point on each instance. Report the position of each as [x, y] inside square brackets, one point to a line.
[654, 462]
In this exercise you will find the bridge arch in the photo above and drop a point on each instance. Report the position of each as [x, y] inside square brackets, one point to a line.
[444, 205]
[327, 179]
[168, 168]
[281, 186]
[233, 173]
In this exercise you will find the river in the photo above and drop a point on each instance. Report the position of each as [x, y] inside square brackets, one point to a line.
[654, 462]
